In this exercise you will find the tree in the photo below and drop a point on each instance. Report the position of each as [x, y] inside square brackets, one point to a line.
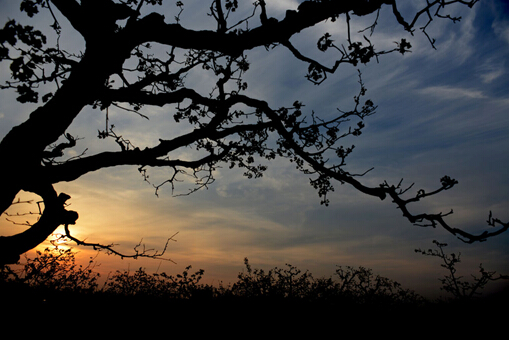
[223, 127]
[452, 283]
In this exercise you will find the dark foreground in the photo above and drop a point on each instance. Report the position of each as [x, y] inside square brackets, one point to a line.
[204, 317]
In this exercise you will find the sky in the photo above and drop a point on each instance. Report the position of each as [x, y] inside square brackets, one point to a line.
[440, 112]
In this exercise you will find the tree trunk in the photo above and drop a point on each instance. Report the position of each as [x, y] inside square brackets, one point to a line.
[22, 151]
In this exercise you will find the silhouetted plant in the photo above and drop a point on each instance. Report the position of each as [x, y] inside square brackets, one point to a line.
[129, 284]
[453, 284]
[363, 286]
[53, 269]
[140, 283]
[254, 282]
[354, 285]
[183, 286]
[293, 282]
[324, 288]
[275, 283]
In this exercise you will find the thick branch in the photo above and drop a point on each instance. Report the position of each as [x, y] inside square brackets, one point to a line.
[54, 214]
[383, 190]
[153, 28]
[72, 170]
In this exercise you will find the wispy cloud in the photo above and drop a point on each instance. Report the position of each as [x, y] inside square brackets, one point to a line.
[490, 70]
[500, 23]
[449, 92]
[501, 28]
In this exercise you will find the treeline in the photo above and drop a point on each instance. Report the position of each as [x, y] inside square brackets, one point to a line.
[52, 279]
[56, 270]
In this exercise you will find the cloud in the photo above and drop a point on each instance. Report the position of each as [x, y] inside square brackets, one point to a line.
[449, 92]
[282, 5]
[501, 29]
[500, 23]
[490, 70]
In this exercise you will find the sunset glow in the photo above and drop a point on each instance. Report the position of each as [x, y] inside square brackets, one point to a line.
[440, 112]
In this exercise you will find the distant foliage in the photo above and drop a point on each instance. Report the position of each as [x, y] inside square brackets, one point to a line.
[362, 286]
[140, 283]
[55, 271]
[275, 283]
[353, 285]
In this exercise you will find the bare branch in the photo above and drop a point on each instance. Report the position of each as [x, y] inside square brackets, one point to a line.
[143, 252]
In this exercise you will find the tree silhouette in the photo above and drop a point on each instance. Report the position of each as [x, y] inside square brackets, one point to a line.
[454, 284]
[225, 126]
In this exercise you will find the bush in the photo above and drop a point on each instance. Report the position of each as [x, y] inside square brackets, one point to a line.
[140, 283]
[53, 269]
[54, 272]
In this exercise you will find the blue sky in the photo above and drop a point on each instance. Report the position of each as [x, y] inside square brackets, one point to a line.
[440, 112]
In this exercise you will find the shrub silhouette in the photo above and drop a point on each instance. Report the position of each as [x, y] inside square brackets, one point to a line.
[56, 270]
[354, 285]
[53, 277]
[53, 269]
[276, 283]
[140, 283]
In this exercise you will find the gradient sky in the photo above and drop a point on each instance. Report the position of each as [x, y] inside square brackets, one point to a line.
[440, 112]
